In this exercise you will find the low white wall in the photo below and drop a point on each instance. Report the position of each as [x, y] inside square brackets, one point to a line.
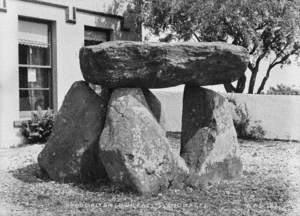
[278, 115]
[172, 107]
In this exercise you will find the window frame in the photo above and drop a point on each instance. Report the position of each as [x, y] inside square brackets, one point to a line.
[107, 31]
[51, 67]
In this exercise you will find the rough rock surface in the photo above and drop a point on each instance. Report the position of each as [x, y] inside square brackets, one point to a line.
[156, 65]
[133, 146]
[208, 142]
[71, 153]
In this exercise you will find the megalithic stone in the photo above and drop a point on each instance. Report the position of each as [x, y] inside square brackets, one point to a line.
[71, 153]
[209, 142]
[157, 65]
[133, 146]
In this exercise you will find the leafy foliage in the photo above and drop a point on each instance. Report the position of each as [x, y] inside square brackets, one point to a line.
[38, 129]
[244, 129]
[282, 89]
[267, 29]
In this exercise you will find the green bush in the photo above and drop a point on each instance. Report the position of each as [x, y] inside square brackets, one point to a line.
[242, 123]
[38, 129]
[256, 132]
[282, 89]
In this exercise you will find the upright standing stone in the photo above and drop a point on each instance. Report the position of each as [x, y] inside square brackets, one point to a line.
[71, 153]
[133, 146]
[209, 143]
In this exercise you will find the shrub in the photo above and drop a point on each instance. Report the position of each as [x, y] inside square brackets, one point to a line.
[256, 131]
[282, 89]
[38, 129]
[242, 123]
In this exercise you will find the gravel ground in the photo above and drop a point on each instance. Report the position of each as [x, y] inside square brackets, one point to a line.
[269, 186]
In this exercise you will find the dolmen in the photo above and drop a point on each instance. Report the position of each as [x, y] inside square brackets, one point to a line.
[118, 134]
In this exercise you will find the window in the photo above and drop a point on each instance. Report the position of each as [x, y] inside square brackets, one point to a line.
[35, 67]
[94, 36]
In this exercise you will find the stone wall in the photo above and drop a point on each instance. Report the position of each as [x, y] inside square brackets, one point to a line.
[132, 147]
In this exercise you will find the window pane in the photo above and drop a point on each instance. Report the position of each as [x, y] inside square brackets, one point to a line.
[91, 42]
[32, 99]
[96, 34]
[39, 56]
[34, 55]
[23, 54]
[34, 77]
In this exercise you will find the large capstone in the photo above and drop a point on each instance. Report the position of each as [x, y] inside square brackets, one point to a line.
[133, 147]
[71, 153]
[156, 65]
[209, 143]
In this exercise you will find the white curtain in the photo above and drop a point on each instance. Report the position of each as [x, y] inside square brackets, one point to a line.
[33, 34]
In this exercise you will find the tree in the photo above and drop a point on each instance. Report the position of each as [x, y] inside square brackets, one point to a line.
[268, 29]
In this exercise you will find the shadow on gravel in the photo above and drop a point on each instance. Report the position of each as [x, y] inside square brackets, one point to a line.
[33, 174]
[30, 174]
